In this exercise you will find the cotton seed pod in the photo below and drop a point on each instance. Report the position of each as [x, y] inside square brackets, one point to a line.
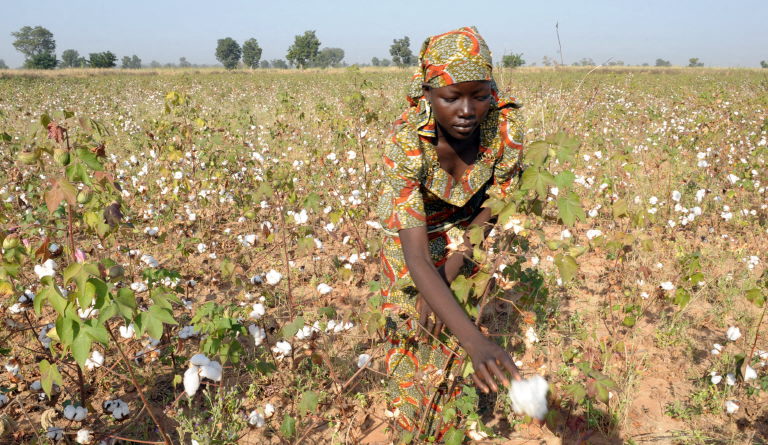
[48, 418]
[7, 426]
[199, 360]
[10, 242]
[250, 214]
[29, 157]
[84, 196]
[191, 381]
[61, 156]
[116, 272]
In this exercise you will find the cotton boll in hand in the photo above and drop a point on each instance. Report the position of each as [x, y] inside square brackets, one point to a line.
[529, 396]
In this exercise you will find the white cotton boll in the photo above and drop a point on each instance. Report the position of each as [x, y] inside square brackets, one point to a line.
[3, 400]
[94, 361]
[35, 386]
[212, 371]
[191, 381]
[733, 179]
[733, 333]
[273, 277]
[700, 195]
[304, 333]
[530, 335]
[269, 410]
[282, 349]
[716, 348]
[13, 367]
[676, 196]
[47, 269]
[258, 334]
[653, 200]
[199, 360]
[715, 378]
[749, 374]
[187, 332]
[565, 234]
[70, 411]
[529, 396]
[324, 288]
[348, 325]
[363, 360]
[330, 326]
[256, 419]
[84, 436]
[201, 248]
[667, 285]
[731, 406]
[258, 311]
[80, 414]
[730, 379]
[138, 286]
[593, 233]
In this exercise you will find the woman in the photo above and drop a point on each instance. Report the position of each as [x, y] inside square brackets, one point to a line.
[457, 144]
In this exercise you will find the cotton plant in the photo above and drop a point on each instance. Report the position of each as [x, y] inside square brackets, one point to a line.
[200, 367]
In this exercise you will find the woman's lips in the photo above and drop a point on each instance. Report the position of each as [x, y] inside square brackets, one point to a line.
[464, 128]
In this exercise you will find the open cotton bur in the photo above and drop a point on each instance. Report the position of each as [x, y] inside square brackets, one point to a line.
[529, 396]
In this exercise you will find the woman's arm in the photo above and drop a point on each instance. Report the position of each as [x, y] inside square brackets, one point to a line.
[488, 358]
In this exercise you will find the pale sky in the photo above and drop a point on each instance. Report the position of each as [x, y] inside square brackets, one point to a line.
[718, 33]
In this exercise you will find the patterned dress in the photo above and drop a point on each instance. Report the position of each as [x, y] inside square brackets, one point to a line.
[418, 192]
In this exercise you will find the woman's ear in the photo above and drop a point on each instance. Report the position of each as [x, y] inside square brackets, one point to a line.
[426, 89]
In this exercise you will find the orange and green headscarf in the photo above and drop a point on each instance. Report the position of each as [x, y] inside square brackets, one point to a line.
[452, 57]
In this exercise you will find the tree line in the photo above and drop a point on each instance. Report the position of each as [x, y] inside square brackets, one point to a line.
[39, 49]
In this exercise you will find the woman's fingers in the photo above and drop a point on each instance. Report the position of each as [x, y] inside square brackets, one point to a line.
[438, 327]
[509, 365]
[495, 370]
[482, 372]
[479, 383]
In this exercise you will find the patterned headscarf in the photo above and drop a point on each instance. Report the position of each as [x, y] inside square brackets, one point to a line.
[455, 56]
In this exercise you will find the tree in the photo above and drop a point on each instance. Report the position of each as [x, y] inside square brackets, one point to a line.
[763, 64]
[3, 66]
[304, 49]
[279, 63]
[37, 45]
[693, 62]
[662, 62]
[228, 52]
[375, 61]
[386, 62]
[126, 63]
[154, 64]
[71, 59]
[616, 63]
[329, 57]
[104, 59]
[264, 64]
[512, 60]
[135, 62]
[251, 53]
[183, 63]
[586, 61]
[401, 52]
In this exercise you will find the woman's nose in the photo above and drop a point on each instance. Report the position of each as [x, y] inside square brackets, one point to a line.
[466, 109]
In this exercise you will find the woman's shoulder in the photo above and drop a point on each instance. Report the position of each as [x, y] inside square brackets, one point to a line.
[405, 138]
[510, 123]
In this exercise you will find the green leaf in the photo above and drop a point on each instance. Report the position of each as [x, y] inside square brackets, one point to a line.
[564, 180]
[97, 331]
[567, 266]
[619, 208]
[45, 120]
[81, 349]
[288, 428]
[570, 209]
[461, 287]
[454, 437]
[89, 159]
[329, 311]
[476, 234]
[682, 297]
[756, 297]
[67, 328]
[308, 403]
[126, 303]
[536, 153]
[290, 329]
[629, 321]
[565, 146]
[49, 374]
[537, 179]
[576, 391]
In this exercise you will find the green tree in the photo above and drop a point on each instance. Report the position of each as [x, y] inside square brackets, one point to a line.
[228, 52]
[279, 63]
[3, 66]
[329, 57]
[154, 64]
[251, 53]
[264, 64]
[693, 62]
[37, 45]
[512, 60]
[386, 62]
[304, 49]
[662, 62]
[70, 58]
[401, 52]
[135, 62]
[375, 61]
[763, 64]
[104, 59]
[183, 63]
[586, 61]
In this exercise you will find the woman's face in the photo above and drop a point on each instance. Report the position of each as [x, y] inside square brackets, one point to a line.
[460, 108]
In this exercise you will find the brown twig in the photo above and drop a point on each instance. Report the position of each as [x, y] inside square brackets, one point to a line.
[166, 438]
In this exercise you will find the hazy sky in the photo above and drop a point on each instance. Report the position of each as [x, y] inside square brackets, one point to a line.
[719, 33]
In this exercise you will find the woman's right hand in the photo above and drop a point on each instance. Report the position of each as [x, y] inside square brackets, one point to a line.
[489, 360]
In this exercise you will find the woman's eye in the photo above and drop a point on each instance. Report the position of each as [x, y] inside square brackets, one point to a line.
[484, 98]
[449, 99]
